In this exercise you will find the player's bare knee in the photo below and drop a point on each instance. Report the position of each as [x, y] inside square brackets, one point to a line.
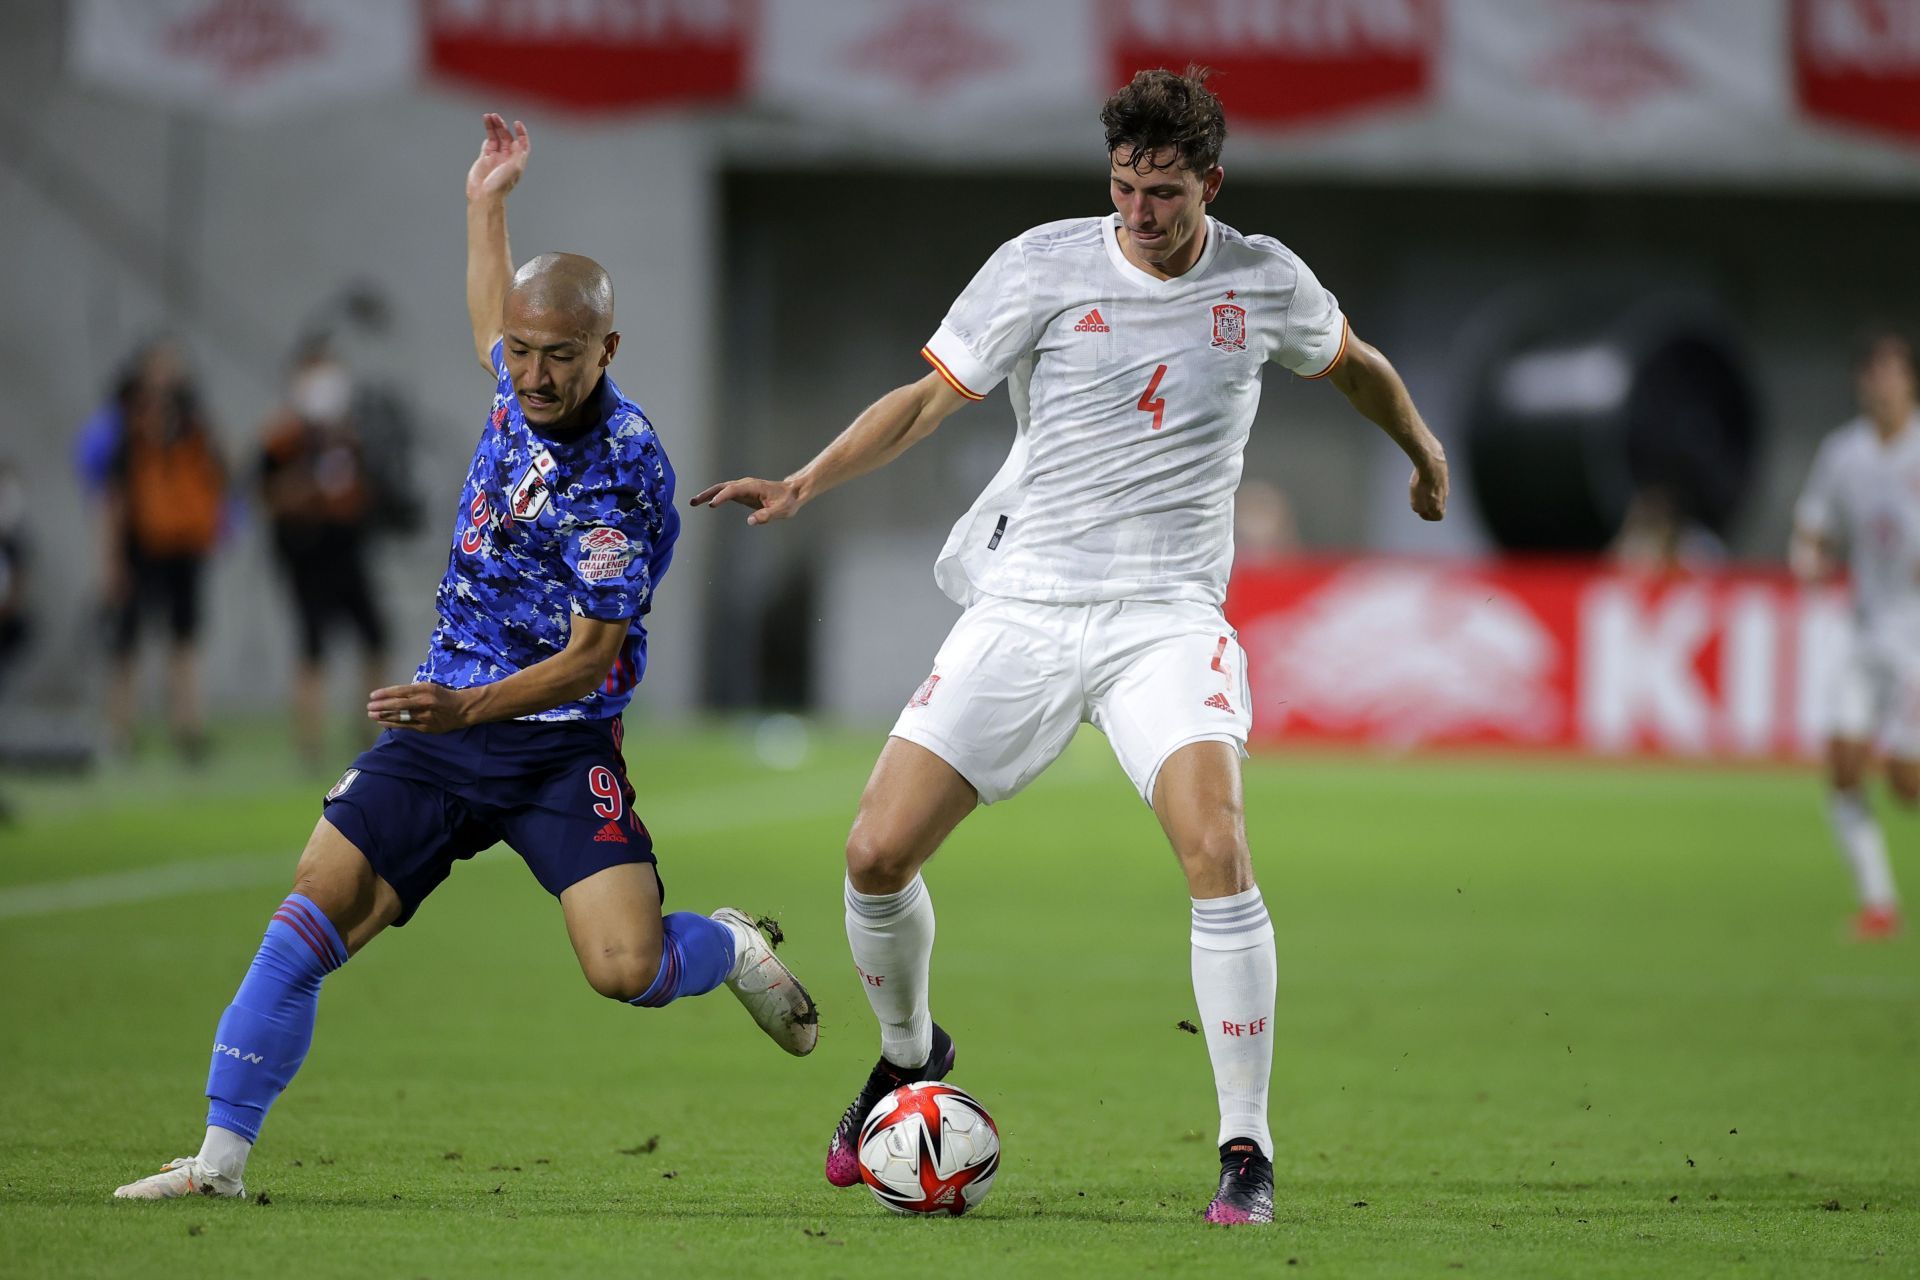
[336, 879]
[1904, 782]
[620, 974]
[1847, 765]
[1216, 858]
[878, 866]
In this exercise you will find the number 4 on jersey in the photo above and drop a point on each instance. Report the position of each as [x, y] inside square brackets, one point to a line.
[1150, 403]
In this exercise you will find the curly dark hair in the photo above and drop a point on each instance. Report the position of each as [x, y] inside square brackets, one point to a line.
[1159, 109]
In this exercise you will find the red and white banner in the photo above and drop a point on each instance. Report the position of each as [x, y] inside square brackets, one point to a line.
[595, 55]
[911, 65]
[1689, 89]
[1542, 655]
[245, 57]
[1858, 62]
[1618, 78]
[1283, 62]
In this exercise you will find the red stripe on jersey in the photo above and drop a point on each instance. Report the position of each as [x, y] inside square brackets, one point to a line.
[1346, 331]
[947, 373]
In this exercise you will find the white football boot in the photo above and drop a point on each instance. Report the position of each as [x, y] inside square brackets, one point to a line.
[183, 1177]
[766, 986]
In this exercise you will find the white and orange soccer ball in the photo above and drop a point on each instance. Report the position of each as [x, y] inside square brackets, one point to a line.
[929, 1148]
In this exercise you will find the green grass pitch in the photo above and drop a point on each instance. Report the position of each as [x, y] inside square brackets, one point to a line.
[1535, 1019]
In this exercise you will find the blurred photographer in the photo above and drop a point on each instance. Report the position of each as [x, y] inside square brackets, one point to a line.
[314, 480]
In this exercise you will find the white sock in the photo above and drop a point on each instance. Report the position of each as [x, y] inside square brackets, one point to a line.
[1864, 848]
[224, 1152]
[1233, 983]
[892, 939]
[742, 947]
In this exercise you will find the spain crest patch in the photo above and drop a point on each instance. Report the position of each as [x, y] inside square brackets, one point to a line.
[1229, 326]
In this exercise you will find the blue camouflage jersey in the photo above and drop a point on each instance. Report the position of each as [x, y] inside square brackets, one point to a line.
[547, 529]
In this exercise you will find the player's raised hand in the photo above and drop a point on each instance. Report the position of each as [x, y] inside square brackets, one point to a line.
[1428, 490]
[770, 499]
[423, 707]
[502, 161]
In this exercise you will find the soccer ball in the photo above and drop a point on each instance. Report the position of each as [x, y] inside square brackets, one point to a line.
[929, 1148]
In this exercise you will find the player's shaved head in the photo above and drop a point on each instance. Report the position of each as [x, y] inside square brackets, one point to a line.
[565, 285]
[557, 332]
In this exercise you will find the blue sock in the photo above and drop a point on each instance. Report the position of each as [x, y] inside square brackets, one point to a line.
[696, 954]
[264, 1034]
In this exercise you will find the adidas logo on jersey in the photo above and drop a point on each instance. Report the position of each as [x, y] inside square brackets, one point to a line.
[1092, 323]
[1219, 703]
[611, 834]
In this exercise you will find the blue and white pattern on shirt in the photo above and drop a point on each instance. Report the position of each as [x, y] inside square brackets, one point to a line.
[547, 530]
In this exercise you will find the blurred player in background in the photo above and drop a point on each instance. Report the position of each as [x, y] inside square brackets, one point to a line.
[511, 730]
[313, 477]
[1861, 511]
[1093, 571]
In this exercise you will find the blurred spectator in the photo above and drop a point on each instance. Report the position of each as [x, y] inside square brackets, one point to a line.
[163, 487]
[314, 477]
[97, 447]
[13, 582]
[13, 566]
[1264, 532]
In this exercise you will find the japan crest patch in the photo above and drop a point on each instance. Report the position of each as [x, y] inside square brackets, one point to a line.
[529, 497]
[1229, 327]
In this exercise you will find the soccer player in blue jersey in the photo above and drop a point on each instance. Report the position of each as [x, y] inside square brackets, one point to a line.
[511, 729]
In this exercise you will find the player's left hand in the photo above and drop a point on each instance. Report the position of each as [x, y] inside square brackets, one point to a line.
[1427, 490]
[424, 708]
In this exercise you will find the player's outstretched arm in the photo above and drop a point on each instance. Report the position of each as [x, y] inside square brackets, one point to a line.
[502, 163]
[888, 428]
[571, 674]
[1371, 385]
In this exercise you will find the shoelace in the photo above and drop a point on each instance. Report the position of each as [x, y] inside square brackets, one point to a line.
[1238, 1176]
[879, 1081]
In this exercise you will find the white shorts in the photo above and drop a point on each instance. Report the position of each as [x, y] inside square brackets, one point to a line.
[1016, 678]
[1875, 698]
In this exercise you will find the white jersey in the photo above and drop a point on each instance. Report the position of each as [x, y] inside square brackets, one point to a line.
[1133, 397]
[1865, 495]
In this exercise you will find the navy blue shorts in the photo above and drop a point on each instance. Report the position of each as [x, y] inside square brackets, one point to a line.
[555, 791]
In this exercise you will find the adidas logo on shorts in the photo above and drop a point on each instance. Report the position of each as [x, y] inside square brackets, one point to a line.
[1219, 703]
[611, 834]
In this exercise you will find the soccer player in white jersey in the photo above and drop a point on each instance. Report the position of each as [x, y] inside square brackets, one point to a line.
[1093, 571]
[1861, 509]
